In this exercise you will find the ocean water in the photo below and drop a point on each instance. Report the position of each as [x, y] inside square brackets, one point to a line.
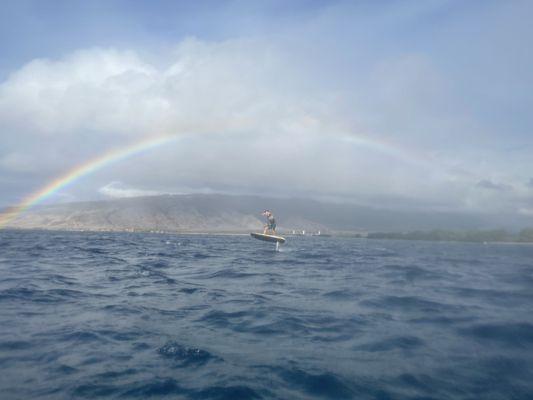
[118, 315]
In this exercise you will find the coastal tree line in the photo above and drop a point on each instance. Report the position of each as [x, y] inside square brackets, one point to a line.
[494, 235]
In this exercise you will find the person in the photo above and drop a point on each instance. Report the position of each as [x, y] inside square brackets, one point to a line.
[270, 227]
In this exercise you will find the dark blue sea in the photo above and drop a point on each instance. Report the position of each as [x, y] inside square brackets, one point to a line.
[137, 316]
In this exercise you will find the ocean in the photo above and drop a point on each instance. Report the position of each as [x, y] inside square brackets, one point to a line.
[135, 315]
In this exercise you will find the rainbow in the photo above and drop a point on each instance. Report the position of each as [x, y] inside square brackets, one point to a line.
[82, 170]
[137, 148]
[408, 156]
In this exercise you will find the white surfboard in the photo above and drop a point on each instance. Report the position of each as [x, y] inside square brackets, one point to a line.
[268, 238]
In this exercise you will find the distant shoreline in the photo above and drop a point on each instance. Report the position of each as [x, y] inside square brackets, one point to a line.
[333, 234]
[218, 233]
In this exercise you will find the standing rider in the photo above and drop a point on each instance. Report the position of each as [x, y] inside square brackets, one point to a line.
[270, 227]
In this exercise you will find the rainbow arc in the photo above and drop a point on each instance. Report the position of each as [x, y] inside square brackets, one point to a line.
[145, 145]
[80, 171]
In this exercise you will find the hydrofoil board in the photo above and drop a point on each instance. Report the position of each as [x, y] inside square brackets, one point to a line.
[268, 238]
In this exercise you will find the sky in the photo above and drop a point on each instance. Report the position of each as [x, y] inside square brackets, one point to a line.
[419, 105]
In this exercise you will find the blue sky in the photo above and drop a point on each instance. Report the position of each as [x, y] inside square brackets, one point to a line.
[31, 29]
[443, 81]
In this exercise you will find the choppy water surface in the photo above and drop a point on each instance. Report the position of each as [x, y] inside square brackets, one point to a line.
[95, 315]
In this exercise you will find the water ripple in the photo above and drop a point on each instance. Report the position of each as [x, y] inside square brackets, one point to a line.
[131, 315]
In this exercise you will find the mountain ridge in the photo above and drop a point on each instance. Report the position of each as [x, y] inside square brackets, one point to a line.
[233, 213]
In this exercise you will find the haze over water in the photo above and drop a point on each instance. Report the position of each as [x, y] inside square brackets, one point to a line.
[117, 315]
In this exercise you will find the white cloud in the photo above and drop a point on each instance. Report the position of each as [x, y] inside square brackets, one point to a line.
[119, 190]
[260, 121]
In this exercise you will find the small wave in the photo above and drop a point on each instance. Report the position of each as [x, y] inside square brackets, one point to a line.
[318, 328]
[443, 320]
[94, 390]
[186, 356]
[223, 319]
[155, 264]
[497, 297]
[421, 382]
[62, 279]
[342, 294]
[94, 250]
[409, 303]
[160, 277]
[116, 374]
[120, 336]
[409, 272]
[325, 384]
[227, 393]
[228, 274]
[512, 334]
[65, 369]
[201, 255]
[26, 294]
[82, 337]
[121, 310]
[190, 290]
[506, 367]
[393, 343]
[164, 387]
[15, 345]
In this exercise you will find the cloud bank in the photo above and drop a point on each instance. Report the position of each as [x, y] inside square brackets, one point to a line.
[271, 114]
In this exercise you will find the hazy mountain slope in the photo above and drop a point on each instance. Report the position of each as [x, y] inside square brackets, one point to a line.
[225, 213]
